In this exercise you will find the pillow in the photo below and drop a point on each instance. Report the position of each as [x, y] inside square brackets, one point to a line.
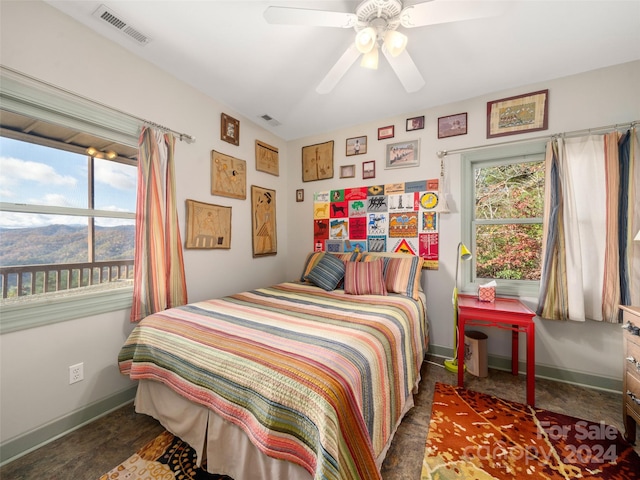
[368, 257]
[327, 273]
[348, 256]
[312, 260]
[386, 256]
[403, 276]
[364, 278]
[314, 257]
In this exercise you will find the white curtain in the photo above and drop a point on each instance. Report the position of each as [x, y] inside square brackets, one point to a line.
[582, 179]
[591, 264]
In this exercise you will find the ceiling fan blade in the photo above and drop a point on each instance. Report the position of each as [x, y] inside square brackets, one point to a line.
[314, 18]
[443, 11]
[406, 70]
[332, 78]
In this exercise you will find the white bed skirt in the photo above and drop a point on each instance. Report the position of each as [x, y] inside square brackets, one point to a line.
[226, 447]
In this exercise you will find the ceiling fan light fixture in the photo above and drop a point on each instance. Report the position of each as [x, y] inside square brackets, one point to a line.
[366, 40]
[395, 42]
[370, 59]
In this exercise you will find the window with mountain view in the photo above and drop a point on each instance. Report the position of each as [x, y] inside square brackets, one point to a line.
[67, 218]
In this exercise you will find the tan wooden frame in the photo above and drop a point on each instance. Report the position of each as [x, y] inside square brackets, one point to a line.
[267, 158]
[264, 237]
[228, 176]
[208, 225]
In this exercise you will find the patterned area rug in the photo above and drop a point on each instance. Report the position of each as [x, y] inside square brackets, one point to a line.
[476, 436]
[164, 458]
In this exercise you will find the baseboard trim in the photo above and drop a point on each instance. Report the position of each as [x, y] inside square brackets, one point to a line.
[20, 446]
[28, 442]
[549, 372]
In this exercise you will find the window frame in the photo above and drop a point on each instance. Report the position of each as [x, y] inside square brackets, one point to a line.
[489, 157]
[28, 96]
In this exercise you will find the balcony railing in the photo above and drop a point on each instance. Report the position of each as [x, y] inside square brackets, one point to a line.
[28, 280]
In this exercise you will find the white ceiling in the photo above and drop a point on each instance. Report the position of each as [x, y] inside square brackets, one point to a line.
[227, 50]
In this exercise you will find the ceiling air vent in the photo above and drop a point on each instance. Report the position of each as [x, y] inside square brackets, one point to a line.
[107, 15]
[270, 120]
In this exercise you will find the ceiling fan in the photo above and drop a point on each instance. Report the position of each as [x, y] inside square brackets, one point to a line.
[376, 24]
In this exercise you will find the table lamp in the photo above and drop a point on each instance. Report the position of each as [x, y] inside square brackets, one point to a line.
[461, 253]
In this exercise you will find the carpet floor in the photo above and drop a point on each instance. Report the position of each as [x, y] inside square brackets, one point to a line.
[96, 448]
[480, 436]
[165, 457]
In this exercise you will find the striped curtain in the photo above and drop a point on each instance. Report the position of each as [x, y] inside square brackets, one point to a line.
[159, 280]
[590, 264]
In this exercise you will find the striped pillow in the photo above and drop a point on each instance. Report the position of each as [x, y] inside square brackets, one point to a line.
[312, 260]
[364, 278]
[348, 256]
[314, 257]
[328, 273]
[402, 275]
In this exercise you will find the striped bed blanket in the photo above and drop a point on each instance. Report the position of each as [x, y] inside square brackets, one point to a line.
[317, 378]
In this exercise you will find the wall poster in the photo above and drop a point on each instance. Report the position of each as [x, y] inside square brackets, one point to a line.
[208, 226]
[317, 161]
[397, 217]
[228, 176]
[263, 221]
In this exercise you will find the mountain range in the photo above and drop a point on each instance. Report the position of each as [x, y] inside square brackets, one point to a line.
[64, 244]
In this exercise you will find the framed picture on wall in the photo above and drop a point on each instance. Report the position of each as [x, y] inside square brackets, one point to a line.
[386, 132]
[229, 129]
[403, 154]
[208, 225]
[228, 176]
[267, 159]
[452, 125]
[415, 123]
[347, 171]
[519, 114]
[317, 161]
[263, 221]
[356, 146]
[369, 169]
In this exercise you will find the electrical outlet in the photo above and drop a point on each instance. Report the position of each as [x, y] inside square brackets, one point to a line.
[76, 373]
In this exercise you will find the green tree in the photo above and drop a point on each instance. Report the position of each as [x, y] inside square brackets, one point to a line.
[508, 242]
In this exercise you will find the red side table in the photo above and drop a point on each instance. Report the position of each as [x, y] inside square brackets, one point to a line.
[508, 314]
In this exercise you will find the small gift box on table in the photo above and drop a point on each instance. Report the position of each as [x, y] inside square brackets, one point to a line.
[487, 292]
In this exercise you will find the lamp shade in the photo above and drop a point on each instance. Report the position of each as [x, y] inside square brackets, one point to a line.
[442, 206]
[637, 238]
[395, 42]
[366, 40]
[465, 254]
[370, 60]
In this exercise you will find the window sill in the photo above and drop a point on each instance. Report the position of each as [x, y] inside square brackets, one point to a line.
[45, 311]
[508, 288]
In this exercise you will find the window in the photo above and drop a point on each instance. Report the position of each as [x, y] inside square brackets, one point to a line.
[57, 183]
[503, 196]
[67, 223]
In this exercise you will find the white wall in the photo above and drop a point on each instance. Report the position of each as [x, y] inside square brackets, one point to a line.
[598, 98]
[42, 42]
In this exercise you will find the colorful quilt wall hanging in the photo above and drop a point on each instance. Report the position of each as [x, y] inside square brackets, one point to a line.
[397, 217]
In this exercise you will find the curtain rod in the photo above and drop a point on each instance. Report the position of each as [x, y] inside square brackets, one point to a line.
[443, 153]
[182, 136]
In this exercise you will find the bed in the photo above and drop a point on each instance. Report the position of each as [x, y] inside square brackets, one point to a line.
[297, 380]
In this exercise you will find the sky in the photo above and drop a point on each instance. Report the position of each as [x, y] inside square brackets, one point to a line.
[37, 175]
